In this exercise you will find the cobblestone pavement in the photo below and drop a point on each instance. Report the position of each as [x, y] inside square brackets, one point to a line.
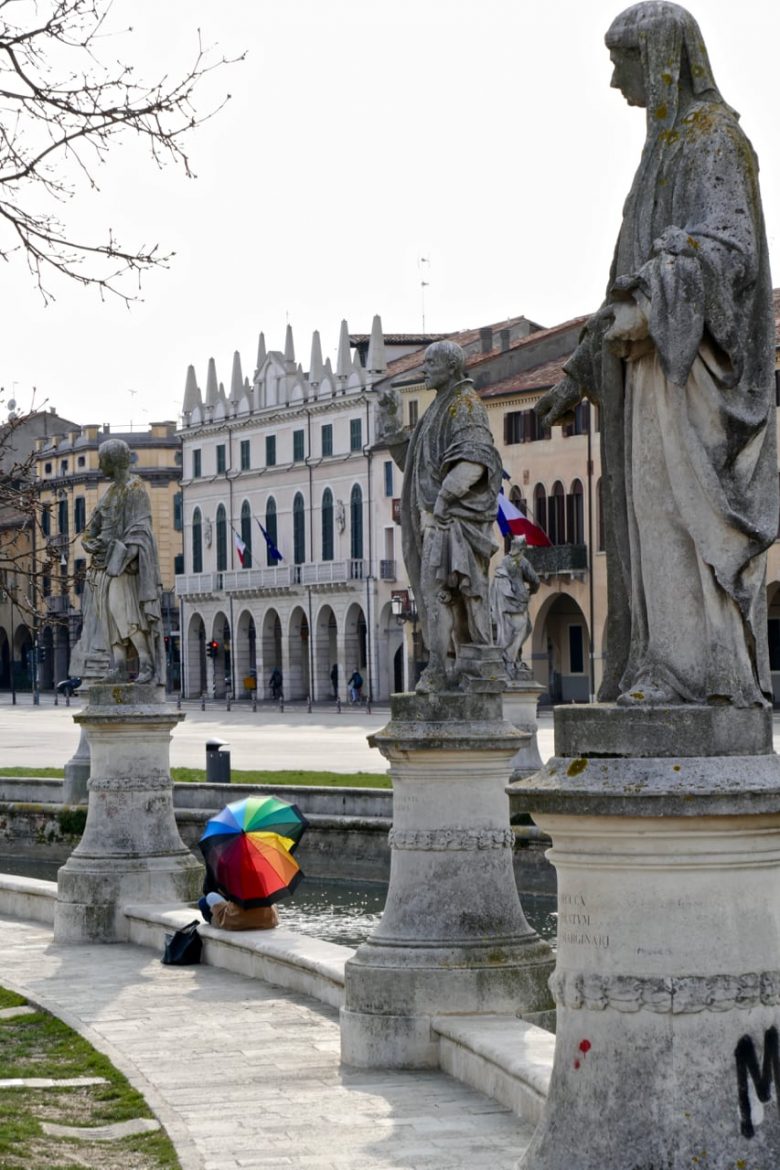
[245, 1075]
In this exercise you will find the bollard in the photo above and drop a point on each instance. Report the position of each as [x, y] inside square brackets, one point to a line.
[67, 698]
[178, 701]
[338, 706]
[308, 703]
[56, 698]
[281, 704]
[203, 701]
[254, 702]
[368, 706]
[227, 701]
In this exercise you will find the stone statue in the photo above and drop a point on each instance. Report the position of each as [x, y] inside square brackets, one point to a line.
[680, 360]
[514, 583]
[124, 569]
[452, 474]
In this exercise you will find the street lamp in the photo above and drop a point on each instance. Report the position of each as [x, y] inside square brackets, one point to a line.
[404, 609]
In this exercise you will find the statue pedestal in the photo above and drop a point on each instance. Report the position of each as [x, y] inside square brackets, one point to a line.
[453, 937]
[77, 769]
[131, 850]
[667, 977]
[521, 697]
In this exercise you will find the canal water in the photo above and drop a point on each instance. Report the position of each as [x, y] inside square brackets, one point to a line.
[343, 912]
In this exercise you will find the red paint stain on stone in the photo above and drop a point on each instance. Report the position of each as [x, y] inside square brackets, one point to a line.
[576, 1064]
[585, 1045]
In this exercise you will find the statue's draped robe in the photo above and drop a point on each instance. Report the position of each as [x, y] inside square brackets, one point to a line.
[454, 428]
[129, 602]
[510, 593]
[689, 487]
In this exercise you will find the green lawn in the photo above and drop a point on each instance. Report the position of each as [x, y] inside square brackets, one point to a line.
[198, 776]
[40, 1045]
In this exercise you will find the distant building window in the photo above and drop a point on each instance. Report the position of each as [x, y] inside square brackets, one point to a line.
[47, 468]
[79, 573]
[327, 439]
[556, 514]
[81, 461]
[178, 512]
[221, 539]
[523, 426]
[356, 434]
[196, 464]
[299, 529]
[246, 533]
[575, 522]
[79, 514]
[246, 462]
[63, 467]
[356, 523]
[270, 527]
[197, 542]
[297, 446]
[221, 459]
[581, 421]
[414, 412]
[178, 564]
[46, 520]
[62, 517]
[270, 450]
[389, 477]
[327, 525]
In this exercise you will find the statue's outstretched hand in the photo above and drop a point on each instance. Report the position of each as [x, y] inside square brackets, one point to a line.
[558, 401]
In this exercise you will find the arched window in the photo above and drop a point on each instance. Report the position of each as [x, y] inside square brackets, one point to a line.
[327, 525]
[299, 529]
[221, 539]
[540, 506]
[197, 542]
[600, 515]
[556, 514]
[270, 527]
[356, 523]
[516, 497]
[575, 521]
[246, 533]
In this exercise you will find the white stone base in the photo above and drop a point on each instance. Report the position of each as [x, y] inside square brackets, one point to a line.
[131, 850]
[667, 977]
[521, 698]
[453, 938]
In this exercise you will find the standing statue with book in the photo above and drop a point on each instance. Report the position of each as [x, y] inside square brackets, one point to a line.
[125, 571]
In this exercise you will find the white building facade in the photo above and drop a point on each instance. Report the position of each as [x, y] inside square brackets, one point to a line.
[290, 451]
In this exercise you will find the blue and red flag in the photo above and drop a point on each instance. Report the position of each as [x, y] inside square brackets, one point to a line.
[512, 522]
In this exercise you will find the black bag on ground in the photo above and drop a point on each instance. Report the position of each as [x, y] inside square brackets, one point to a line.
[183, 947]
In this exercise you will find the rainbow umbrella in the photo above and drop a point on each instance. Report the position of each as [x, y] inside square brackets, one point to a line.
[248, 848]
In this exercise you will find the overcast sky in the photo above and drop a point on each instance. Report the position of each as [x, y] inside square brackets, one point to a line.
[361, 137]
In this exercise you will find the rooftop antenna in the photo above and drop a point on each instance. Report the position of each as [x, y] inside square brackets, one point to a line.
[423, 285]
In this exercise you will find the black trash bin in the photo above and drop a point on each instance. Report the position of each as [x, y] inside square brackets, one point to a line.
[217, 762]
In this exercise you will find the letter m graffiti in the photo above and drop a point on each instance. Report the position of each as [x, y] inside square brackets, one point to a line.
[762, 1078]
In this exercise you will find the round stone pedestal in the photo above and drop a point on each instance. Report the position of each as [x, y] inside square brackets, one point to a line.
[77, 769]
[131, 850]
[453, 937]
[521, 697]
[667, 978]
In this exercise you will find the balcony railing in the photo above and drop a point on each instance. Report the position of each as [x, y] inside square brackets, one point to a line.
[559, 558]
[275, 577]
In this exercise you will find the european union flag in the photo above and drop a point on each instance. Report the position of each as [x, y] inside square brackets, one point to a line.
[273, 550]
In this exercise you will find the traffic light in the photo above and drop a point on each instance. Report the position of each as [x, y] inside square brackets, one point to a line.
[212, 649]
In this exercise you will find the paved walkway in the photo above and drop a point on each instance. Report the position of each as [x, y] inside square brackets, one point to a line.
[245, 1075]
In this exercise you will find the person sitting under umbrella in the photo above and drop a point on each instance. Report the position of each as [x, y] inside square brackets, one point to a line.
[249, 864]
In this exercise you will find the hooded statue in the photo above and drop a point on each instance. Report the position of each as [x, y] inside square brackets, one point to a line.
[680, 360]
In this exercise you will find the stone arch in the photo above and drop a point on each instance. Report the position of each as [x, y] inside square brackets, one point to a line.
[297, 685]
[5, 660]
[196, 676]
[326, 654]
[356, 642]
[562, 650]
[773, 635]
[394, 670]
[221, 664]
[245, 653]
[270, 648]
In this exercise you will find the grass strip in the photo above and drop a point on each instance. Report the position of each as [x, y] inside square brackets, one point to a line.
[198, 776]
[40, 1045]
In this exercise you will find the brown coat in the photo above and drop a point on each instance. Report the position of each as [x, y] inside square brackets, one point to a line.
[229, 916]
